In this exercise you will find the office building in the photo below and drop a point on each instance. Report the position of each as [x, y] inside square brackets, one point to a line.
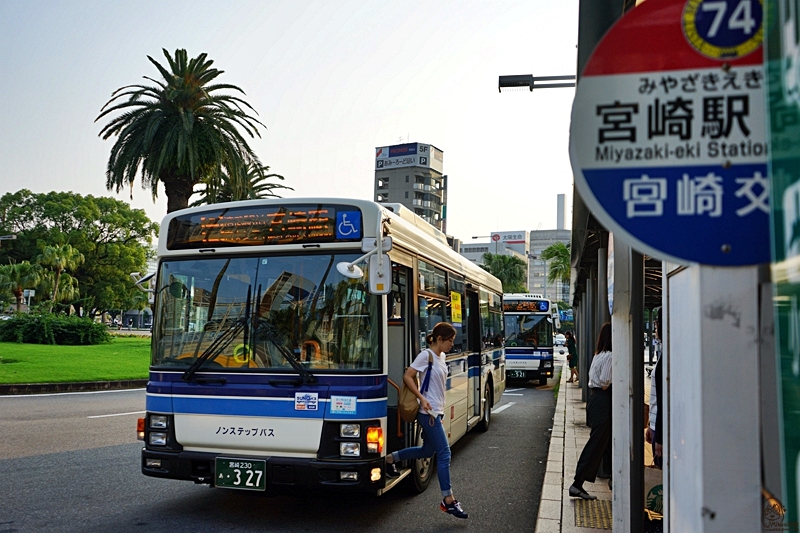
[411, 174]
[528, 246]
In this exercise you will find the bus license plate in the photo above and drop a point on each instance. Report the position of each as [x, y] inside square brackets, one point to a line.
[516, 374]
[244, 474]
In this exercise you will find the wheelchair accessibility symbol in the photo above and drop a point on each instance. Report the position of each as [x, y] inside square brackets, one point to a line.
[348, 225]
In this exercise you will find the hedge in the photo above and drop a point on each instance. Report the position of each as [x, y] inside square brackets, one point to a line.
[52, 329]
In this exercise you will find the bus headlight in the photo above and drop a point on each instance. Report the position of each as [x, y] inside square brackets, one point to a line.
[158, 439]
[547, 364]
[158, 421]
[374, 440]
[348, 449]
[350, 430]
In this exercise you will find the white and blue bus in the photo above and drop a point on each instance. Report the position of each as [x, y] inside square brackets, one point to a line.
[528, 337]
[282, 328]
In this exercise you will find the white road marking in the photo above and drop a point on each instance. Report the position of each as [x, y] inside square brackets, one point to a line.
[502, 408]
[513, 390]
[118, 414]
[67, 393]
[511, 394]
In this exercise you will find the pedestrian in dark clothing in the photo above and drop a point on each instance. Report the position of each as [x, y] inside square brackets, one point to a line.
[572, 357]
[655, 434]
[598, 410]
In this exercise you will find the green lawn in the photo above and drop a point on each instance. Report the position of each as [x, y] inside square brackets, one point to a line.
[123, 358]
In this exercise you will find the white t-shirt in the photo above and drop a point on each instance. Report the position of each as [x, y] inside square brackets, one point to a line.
[600, 371]
[436, 387]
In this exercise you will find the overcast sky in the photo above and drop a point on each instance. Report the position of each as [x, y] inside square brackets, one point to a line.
[330, 80]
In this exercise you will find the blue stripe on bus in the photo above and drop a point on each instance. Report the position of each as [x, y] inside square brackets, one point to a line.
[215, 405]
[158, 404]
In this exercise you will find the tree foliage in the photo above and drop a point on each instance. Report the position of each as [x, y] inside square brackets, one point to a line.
[180, 131]
[60, 259]
[15, 277]
[559, 263]
[508, 269]
[113, 239]
[251, 183]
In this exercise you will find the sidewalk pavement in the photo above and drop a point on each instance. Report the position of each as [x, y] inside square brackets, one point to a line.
[570, 433]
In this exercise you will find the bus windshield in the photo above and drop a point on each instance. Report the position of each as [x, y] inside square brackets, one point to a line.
[252, 313]
[528, 330]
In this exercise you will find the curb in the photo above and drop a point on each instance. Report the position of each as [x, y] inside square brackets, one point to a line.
[83, 386]
[550, 517]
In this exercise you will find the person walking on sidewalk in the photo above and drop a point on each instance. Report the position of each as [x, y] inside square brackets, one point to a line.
[572, 357]
[431, 413]
[655, 430]
[598, 411]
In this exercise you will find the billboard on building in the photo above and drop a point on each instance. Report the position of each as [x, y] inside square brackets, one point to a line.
[516, 240]
[409, 155]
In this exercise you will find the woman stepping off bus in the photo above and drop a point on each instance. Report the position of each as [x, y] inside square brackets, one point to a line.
[431, 413]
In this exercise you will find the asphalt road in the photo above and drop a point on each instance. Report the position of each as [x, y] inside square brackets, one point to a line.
[70, 463]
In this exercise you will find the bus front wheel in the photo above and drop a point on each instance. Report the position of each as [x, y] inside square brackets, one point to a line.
[422, 469]
[483, 425]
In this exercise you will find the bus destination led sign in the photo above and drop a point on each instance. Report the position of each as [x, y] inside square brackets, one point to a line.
[264, 226]
[526, 306]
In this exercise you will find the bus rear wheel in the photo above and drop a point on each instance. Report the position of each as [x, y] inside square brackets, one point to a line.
[486, 420]
[422, 469]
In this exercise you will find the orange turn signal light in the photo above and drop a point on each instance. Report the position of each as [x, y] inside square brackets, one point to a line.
[374, 440]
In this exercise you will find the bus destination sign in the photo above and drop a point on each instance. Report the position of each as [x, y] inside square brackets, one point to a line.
[264, 226]
[526, 306]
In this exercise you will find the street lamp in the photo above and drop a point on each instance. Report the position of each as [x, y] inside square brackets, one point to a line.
[489, 237]
[528, 80]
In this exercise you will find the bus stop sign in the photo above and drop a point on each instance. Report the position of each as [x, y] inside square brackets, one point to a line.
[668, 138]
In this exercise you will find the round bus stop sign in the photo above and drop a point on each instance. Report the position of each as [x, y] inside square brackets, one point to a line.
[668, 138]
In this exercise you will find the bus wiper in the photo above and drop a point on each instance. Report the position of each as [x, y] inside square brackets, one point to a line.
[216, 347]
[307, 376]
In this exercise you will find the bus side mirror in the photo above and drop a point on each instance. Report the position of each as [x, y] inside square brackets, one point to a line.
[380, 274]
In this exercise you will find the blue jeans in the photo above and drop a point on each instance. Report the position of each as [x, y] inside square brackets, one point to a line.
[434, 441]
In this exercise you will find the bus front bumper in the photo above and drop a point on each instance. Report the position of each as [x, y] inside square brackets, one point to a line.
[283, 473]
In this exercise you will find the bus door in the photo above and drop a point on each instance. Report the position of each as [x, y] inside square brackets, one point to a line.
[398, 349]
[474, 348]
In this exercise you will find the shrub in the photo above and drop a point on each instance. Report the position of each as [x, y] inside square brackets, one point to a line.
[49, 328]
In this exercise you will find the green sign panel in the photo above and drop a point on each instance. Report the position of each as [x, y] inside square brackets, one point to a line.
[782, 46]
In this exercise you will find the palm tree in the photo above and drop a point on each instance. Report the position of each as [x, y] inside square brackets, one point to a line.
[15, 277]
[508, 269]
[59, 259]
[178, 132]
[250, 184]
[67, 287]
[558, 255]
